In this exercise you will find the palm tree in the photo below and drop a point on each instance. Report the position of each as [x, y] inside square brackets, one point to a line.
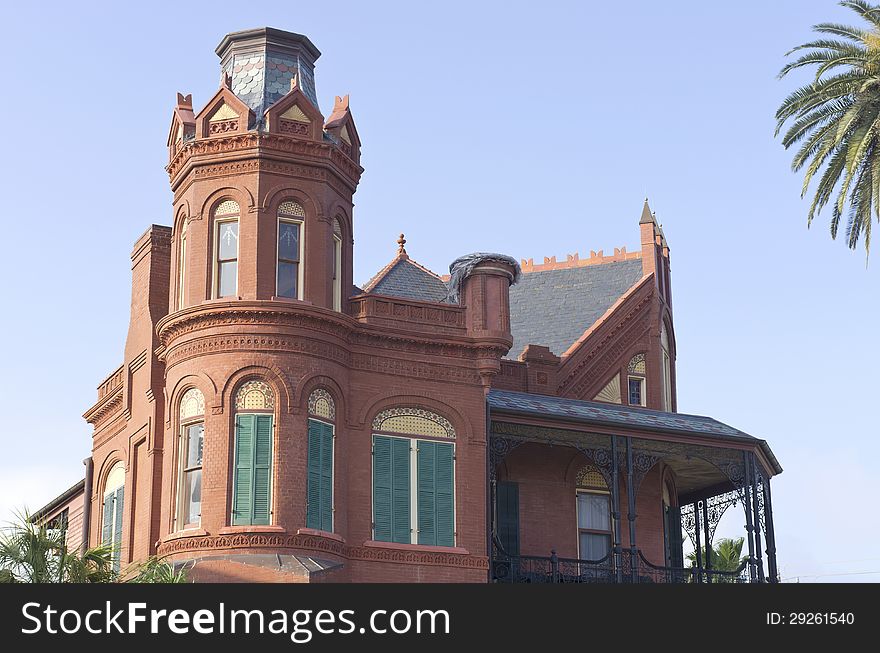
[835, 121]
[33, 553]
[725, 556]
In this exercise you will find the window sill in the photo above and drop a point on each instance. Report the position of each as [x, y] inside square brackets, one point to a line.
[187, 532]
[233, 530]
[290, 300]
[423, 548]
[319, 533]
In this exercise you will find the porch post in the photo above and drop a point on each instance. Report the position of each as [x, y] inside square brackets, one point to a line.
[771, 535]
[631, 512]
[615, 511]
[697, 541]
[707, 533]
[757, 517]
[747, 505]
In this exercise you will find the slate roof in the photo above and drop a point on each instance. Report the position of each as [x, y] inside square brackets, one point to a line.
[409, 280]
[591, 412]
[555, 307]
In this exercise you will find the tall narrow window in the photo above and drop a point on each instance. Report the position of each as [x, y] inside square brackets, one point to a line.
[636, 380]
[192, 437]
[181, 267]
[593, 514]
[337, 266]
[254, 427]
[413, 478]
[111, 518]
[290, 227]
[319, 465]
[226, 220]
[666, 361]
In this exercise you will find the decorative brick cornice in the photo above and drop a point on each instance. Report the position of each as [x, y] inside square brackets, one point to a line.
[319, 545]
[105, 407]
[575, 261]
[260, 144]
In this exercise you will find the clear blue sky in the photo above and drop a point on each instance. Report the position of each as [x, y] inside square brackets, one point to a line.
[533, 130]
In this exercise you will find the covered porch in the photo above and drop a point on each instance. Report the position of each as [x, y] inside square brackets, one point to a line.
[589, 492]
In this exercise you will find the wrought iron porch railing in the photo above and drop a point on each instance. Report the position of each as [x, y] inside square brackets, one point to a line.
[622, 566]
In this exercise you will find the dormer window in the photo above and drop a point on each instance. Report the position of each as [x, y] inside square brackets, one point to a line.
[290, 228]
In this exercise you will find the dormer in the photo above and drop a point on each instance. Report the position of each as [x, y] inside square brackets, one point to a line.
[295, 115]
[224, 115]
[340, 127]
[183, 125]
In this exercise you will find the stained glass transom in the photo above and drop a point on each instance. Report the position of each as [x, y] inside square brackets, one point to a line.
[589, 476]
[637, 364]
[227, 207]
[255, 395]
[291, 208]
[321, 404]
[413, 421]
[192, 404]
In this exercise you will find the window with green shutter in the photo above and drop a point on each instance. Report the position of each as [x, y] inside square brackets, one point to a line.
[251, 500]
[319, 476]
[112, 511]
[413, 476]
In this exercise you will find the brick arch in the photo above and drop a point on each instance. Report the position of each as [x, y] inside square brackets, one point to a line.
[110, 460]
[274, 198]
[338, 210]
[461, 425]
[240, 194]
[577, 462]
[200, 380]
[312, 382]
[271, 375]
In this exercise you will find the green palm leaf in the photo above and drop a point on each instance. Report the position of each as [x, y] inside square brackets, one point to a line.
[835, 122]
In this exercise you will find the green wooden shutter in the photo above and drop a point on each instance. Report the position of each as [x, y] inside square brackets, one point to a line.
[425, 482]
[436, 493]
[381, 488]
[391, 492]
[326, 480]
[242, 499]
[400, 496]
[107, 520]
[117, 526]
[319, 475]
[262, 469]
[675, 554]
[507, 501]
[445, 493]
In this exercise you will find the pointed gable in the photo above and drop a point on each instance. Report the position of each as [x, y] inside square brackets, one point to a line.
[183, 125]
[223, 115]
[295, 115]
[405, 278]
[340, 127]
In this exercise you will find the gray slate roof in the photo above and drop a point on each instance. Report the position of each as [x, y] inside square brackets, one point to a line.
[609, 414]
[408, 280]
[555, 307]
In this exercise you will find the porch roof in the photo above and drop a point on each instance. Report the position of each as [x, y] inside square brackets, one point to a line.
[614, 415]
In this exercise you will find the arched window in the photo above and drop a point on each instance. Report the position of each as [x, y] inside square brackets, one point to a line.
[413, 477]
[254, 428]
[319, 464]
[636, 380]
[291, 217]
[192, 438]
[111, 518]
[593, 514]
[181, 267]
[337, 265]
[666, 362]
[226, 247]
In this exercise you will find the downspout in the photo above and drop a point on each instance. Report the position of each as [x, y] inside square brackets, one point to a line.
[489, 515]
[87, 503]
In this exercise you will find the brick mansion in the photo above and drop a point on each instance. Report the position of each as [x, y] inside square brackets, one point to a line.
[510, 421]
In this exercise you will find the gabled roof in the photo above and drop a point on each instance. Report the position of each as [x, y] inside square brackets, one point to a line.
[555, 307]
[406, 278]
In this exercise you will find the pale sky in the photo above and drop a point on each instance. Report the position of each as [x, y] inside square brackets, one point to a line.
[529, 129]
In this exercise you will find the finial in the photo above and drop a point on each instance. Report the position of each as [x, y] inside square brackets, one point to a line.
[401, 250]
[226, 80]
[294, 82]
